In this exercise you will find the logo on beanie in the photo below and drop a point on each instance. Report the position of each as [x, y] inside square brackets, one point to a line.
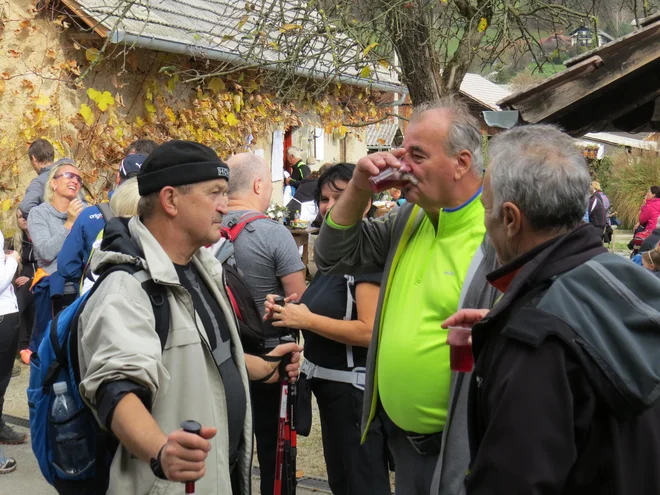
[223, 172]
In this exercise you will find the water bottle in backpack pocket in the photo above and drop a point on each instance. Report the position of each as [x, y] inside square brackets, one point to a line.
[73, 452]
[63, 429]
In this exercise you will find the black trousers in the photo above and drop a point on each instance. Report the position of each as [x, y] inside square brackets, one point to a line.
[26, 311]
[265, 411]
[8, 346]
[353, 468]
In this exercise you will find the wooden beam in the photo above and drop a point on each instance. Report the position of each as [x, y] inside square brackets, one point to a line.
[547, 103]
[641, 88]
[98, 28]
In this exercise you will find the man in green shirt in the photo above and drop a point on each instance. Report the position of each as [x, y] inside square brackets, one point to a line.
[434, 257]
[299, 170]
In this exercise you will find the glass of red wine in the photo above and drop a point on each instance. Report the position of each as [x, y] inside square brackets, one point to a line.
[460, 349]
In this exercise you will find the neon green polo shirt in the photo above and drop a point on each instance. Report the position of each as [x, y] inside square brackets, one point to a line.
[413, 372]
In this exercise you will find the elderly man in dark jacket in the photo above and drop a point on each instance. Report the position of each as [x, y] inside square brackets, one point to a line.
[563, 398]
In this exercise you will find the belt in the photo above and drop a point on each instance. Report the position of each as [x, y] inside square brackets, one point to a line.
[353, 377]
[426, 445]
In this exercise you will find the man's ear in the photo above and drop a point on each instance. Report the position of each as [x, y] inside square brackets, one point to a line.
[464, 164]
[169, 200]
[512, 219]
[257, 185]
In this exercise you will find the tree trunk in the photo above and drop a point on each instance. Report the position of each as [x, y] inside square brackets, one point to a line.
[409, 28]
[423, 70]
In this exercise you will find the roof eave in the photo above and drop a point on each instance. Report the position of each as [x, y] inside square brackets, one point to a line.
[170, 46]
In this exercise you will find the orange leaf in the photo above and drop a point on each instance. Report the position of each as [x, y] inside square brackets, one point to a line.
[14, 53]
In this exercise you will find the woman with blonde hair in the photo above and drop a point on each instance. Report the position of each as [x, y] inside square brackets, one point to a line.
[49, 224]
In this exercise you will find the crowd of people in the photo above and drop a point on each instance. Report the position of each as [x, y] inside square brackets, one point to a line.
[504, 251]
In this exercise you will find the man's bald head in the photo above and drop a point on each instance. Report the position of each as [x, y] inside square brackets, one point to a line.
[244, 169]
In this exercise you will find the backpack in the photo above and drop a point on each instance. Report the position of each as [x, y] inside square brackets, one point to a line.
[250, 319]
[56, 361]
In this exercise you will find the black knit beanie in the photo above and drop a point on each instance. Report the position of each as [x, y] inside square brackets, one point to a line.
[177, 163]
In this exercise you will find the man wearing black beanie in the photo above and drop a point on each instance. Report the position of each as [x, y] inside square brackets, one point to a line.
[141, 389]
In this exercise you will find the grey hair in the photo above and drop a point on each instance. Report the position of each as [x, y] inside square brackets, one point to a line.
[464, 131]
[294, 152]
[147, 205]
[124, 202]
[540, 170]
[57, 166]
[244, 169]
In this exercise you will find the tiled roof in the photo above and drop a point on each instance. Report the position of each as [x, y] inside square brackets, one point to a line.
[227, 29]
[381, 135]
[483, 91]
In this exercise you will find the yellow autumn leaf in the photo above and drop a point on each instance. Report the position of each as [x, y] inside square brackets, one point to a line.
[289, 27]
[231, 119]
[238, 103]
[216, 85]
[119, 132]
[59, 148]
[139, 121]
[102, 100]
[366, 51]
[87, 114]
[149, 107]
[171, 83]
[6, 204]
[93, 55]
[53, 122]
[365, 72]
[384, 63]
[483, 24]
[42, 101]
[169, 113]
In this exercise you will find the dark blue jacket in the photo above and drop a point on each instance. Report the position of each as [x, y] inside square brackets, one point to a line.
[76, 249]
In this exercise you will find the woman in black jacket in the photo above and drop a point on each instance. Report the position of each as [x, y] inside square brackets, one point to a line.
[22, 244]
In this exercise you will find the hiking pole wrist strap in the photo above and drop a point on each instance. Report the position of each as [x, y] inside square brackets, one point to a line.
[270, 359]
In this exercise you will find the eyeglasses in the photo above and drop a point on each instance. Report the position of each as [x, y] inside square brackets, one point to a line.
[69, 175]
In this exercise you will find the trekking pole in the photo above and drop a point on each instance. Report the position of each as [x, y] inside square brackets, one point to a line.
[191, 427]
[293, 392]
[282, 456]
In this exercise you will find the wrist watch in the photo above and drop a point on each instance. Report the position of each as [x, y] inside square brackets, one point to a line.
[156, 466]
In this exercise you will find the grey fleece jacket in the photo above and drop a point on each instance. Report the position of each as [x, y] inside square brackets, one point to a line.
[370, 246]
[46, 226]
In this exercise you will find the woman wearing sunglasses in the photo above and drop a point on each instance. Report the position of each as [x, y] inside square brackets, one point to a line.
[49, 224]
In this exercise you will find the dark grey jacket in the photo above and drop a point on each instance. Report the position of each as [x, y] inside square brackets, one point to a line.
[34, 194]
[370, 247]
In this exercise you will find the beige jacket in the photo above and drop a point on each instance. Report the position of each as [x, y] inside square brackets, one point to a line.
[119, 342]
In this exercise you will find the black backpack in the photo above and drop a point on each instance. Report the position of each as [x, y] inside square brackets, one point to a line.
[253, 331]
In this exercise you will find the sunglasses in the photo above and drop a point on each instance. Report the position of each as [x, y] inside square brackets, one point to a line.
[69, 175]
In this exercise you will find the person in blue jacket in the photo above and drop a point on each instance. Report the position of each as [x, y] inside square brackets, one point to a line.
[78, 245]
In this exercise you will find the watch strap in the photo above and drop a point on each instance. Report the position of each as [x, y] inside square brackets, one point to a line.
[156, 466]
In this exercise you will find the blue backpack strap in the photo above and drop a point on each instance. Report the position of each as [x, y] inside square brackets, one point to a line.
[157, 296]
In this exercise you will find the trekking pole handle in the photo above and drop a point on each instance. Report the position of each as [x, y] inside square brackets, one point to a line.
[286, 359]
[191, 426]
